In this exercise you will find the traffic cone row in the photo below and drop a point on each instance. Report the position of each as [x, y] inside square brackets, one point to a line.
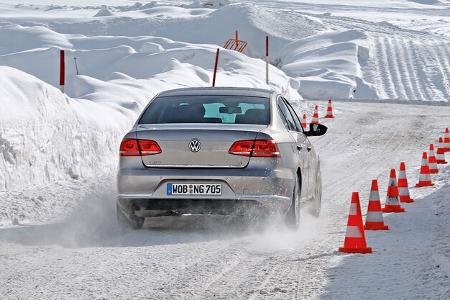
[397, 193]
[315, 116]
[431, 160]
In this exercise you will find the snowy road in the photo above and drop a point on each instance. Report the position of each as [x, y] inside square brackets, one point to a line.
[85, 256]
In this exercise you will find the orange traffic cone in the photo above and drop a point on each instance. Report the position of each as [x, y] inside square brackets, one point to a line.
[432, 162]
[440, 154]
[329, 114]
[355, 239]
[446, 140]
[374, 217]
[304, 124]
[403, 189]
[392, 202]
[315, 119]
[424, 176]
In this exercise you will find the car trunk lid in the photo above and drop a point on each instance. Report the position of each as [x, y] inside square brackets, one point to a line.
[196, 145]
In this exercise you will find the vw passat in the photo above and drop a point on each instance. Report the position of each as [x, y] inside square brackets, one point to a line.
[236, 151]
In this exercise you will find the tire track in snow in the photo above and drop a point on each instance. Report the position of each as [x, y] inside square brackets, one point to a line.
[441, 49]
[383, 61]
[440, 75]
[393, 63]
[407, 81]
[432, 68]
[417, 92]
[379, 76]
[420, 74]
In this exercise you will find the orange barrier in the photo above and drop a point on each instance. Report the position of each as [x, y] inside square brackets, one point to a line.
[236, 44]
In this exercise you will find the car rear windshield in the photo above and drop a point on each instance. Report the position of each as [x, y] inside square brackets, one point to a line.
[207, 109]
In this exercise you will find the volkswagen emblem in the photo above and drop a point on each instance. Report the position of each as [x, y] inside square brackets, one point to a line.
[195, 145]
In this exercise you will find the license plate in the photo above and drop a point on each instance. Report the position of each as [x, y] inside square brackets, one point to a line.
[209, 189]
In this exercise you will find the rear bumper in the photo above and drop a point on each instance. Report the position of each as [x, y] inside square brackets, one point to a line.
[261, 186]
[261, 204]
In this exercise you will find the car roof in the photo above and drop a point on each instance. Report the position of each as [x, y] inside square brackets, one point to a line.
[228, 91]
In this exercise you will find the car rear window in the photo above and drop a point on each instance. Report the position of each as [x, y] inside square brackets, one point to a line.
[207, 109]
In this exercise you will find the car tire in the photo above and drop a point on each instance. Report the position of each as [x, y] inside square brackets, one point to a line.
[128, 222]
[292, 217]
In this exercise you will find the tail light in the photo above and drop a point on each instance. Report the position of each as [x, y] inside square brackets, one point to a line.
[255, 148]
[135, 147]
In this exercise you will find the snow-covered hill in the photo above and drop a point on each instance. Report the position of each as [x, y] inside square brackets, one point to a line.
[369, 57]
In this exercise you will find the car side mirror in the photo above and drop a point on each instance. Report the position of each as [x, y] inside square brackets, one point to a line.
[316, 130]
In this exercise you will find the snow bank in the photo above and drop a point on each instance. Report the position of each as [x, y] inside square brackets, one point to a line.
[128, 71]
[47, 137]
[328, 65]
[202, 22]
[16, 38]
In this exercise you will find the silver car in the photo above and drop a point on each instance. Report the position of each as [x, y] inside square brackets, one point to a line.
[237, 151]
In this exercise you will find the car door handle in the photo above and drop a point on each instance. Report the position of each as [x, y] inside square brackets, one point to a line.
[299, 148]
[309, 149]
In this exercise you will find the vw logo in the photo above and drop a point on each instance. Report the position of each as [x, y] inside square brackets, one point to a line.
[195, 145]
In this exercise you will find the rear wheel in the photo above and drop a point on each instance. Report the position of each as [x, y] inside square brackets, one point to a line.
[293, 215]
[128, 222]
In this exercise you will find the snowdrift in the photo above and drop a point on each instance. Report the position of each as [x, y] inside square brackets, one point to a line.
[46, 136]
[128, 71]
[328, 65]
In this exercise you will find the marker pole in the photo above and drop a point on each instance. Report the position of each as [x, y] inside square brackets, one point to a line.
[62, 70]
[215, 68]
[267, 59]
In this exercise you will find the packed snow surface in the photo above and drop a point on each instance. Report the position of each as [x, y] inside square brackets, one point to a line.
[58, 151]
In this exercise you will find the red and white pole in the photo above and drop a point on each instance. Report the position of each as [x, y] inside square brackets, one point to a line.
[62, 70]
[215, 68]
[267, 59]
